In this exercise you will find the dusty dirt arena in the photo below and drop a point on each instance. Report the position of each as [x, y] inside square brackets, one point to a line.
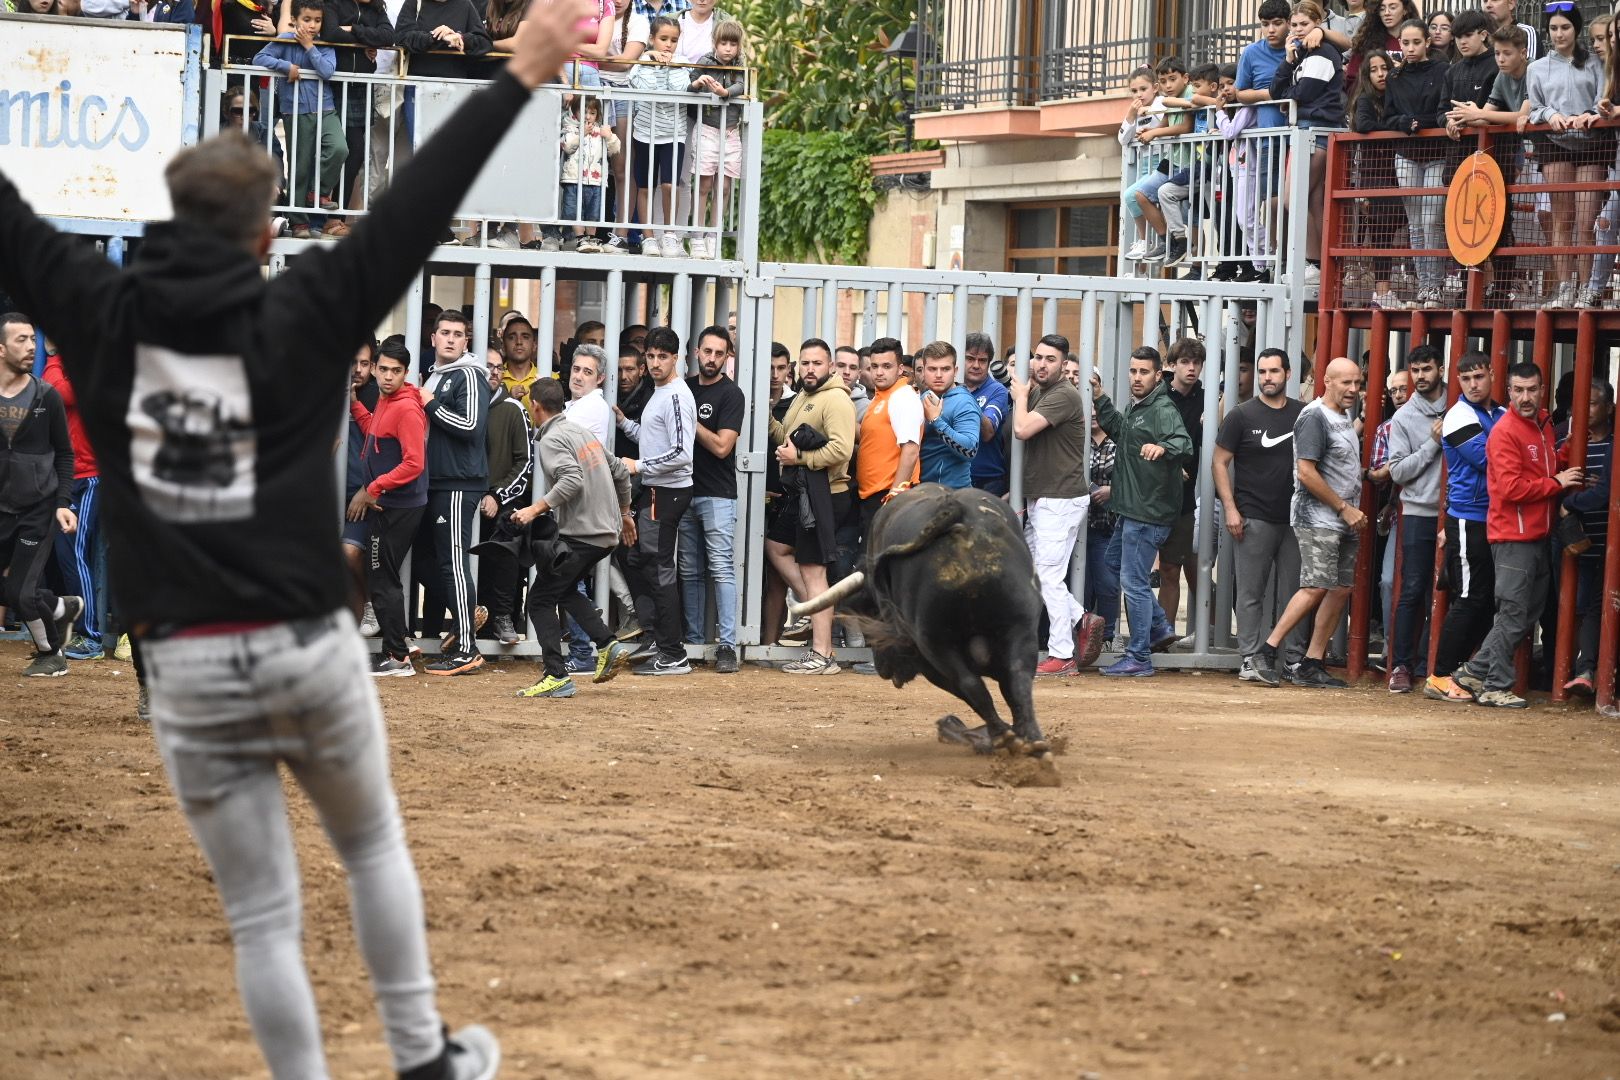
[682, 878]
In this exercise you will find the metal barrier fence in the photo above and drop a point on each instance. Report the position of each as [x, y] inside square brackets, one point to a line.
[1386, 232]
[566, 179]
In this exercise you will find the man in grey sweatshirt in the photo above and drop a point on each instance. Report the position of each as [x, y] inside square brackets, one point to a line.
[588, 491]
[666, 434]
[1414, 465]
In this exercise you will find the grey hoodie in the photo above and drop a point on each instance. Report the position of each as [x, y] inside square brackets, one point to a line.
[1414, 455]
[585, 486]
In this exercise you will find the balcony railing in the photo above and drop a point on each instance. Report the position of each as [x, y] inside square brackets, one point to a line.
[1231, 208]
[1023, 52]
[521, 199]
[1386, 244]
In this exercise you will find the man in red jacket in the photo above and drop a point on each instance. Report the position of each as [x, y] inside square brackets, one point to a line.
[1524, 478]
[391, 497]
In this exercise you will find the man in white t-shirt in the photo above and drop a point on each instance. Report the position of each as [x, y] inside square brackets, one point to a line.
[586, 406]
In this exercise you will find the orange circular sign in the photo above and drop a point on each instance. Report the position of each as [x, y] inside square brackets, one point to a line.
[1476, 209]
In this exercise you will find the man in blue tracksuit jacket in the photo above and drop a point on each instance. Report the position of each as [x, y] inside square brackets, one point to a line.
[1463, 432]
[950, 420]
[456, 396]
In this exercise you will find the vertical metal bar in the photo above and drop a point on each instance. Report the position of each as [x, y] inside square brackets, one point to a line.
[959, 329]
[1204, 522]
[547, 330]
[1609, 627]
[809, 308]
[613, 319]
[1361, 599]
[757, 318]
[1015, 458]
[1225, 557]
[829, 314]
[897, 312]
[479, 345]
[869, 316]
[1568, 617]
[1049, 315]
[415, 299]
[680, 306]
[992, 322]
[930, 319]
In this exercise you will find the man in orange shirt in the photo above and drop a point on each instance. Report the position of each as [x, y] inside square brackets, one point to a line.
[891, 434]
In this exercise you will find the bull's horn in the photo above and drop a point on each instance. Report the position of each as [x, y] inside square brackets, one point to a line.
[841, 590]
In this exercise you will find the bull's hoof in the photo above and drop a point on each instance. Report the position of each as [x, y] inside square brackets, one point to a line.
[952, 730]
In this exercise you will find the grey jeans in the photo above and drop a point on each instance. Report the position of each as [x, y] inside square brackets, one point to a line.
[227, 711]
[1523, 571]
[1267, 556]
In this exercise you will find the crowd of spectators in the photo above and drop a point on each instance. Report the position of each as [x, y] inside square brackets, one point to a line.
[1390, 69]
[477, 453]
[657, 162]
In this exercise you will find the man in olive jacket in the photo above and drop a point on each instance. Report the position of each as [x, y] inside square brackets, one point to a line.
[1151, 446]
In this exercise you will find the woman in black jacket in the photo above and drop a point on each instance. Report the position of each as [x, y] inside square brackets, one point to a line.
[1380, 218]
[1412, 103]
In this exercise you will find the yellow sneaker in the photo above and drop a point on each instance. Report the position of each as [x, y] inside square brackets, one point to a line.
[123, 651]
[550, 686]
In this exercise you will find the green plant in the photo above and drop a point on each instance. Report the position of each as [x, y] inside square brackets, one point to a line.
[832, 99]
[818, 197]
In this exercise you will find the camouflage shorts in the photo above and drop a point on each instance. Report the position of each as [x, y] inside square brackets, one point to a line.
[1327, 558]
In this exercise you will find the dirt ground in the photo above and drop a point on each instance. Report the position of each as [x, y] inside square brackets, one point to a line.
[753, 876]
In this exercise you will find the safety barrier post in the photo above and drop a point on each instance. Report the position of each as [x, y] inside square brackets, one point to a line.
[1324, 347]
[1568, 618]
[1609, 626]
[1361, 599]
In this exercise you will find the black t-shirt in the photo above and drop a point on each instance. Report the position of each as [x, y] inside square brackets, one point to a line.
[1261, 440]
[720, 407]
[1191, 408]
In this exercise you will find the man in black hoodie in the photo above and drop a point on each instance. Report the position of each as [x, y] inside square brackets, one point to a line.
[201, 385]
[36, 482]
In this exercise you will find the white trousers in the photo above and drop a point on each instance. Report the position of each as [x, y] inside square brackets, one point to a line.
[1051, 527]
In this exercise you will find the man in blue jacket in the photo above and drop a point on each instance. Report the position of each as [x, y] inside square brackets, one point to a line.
[990, 463]
[950, 420]
[1463, 432]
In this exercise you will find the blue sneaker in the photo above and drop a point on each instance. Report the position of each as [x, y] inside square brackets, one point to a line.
[82, 648]
[582, 665]
[1126, 668]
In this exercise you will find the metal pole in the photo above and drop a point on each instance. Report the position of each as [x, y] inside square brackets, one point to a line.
[869, 318]
[680, 306]
[1568, 618]
[1609, 629]
[1203, 523]
[547, 330]
[959, 330]
[481, 280]
[1225, 556]
[930, 319]
[809, 308]
[1015, 457]
[829, 314]
[1361, 599]
[897, 313]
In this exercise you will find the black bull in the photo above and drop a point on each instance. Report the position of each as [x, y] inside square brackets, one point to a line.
[949, 592]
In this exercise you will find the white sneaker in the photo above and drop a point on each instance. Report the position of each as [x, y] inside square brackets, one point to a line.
[1248, 672]
[1564, 297]
[1137, 250]
[649, 246]
[588, 246]
[475, 1053]
[672, 246]
[1586, 298]
[1313, 276]
[812, 664]
[1388, 301]
[504, 239]
[368, 623]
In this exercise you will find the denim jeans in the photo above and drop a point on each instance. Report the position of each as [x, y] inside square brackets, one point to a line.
[1102, 579]
[581, 200]
[706, 543]
[1133, 549]
[1425, 214]
[1416, 538]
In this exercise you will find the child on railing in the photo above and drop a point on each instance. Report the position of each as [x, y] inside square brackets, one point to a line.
[1173, 84]
[1236, 199]
[1412, 103]
[1607, 230]
[1564, 87]
[304, 98]
[1140, 116]
[719, 146]
[588, 149]
[1195, 176]
[657, 131]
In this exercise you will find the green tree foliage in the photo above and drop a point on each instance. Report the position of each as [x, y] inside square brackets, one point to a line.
[832, 98]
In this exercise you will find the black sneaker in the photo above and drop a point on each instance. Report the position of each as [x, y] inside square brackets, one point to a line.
[1310, 673]
[725, 660]
[72, 608]
[505, 632]
[1178, 252]
[454, 664]
[663, 666]
[1265, 667]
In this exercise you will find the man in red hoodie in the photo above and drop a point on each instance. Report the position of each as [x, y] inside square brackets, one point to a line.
[391, 498]
[1525, 479]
